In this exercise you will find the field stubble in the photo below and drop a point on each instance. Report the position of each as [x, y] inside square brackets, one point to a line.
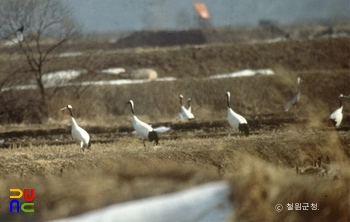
[260, 168]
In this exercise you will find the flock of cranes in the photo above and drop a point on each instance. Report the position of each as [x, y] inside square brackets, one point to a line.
[145, 131]
[236, 121]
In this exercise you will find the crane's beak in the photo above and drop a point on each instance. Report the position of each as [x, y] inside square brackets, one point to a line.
[64, 108]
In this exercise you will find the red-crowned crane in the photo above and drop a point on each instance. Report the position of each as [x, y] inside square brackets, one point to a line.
[143, 129]
[185, 113]
[189, 108]
[337, 115]
[79, 135]
[236, 121]
[294, 99]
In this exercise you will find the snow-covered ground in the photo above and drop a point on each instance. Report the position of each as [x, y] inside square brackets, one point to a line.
[70, 54]
[243, 73]
[274, 40]
[204, 203]
[11, 42]
[55, 78]
[61, 78]
[114, 71]
[123, 81]
[86, 83]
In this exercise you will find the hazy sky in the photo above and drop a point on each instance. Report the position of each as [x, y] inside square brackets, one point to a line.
[114, 15]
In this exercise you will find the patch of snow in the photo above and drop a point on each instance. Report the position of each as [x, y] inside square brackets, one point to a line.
[279, 39]
[70, 54]
[242, 73]
[19, 87]
[19, 38]
[114, 71]
[341, 34]
[11, 42]
[336, 35]
[125, 81]
[165, 79]
[269, 41]
[204, 203]
[57, 81]
[54, 78]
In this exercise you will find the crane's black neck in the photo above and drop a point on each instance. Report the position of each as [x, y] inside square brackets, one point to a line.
[228, 101]
[298, 87]
[132, 109]
[71, 113]
[180, 101]
[340, 102]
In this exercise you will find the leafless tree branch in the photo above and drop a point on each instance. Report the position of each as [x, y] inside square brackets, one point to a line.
[47, 25]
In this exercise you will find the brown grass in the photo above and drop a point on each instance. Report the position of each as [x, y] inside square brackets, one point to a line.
[320, 63]
[108, 104]
[259, 187]
[260, 168]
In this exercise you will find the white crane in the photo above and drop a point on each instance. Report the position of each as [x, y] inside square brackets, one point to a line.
[337, 115]
[189, 105]
[294, 99]
[185, 113]
[189, 109]
[236, 121]
[79, 135]
[143, 129]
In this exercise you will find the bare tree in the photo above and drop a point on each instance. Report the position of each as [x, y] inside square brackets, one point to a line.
[38, 27]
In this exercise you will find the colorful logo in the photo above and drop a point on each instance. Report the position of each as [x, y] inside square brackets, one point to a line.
[28, 206]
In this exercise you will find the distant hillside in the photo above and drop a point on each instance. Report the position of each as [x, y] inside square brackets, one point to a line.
[266, 31]
[162, 38]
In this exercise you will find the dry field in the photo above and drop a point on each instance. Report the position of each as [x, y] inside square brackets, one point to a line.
[261, 168]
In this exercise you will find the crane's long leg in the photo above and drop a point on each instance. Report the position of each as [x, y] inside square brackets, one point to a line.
[82, 146]
[296, 110]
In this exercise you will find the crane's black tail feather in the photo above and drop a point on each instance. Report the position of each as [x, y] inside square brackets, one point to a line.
[244, 128]
[152, 136]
